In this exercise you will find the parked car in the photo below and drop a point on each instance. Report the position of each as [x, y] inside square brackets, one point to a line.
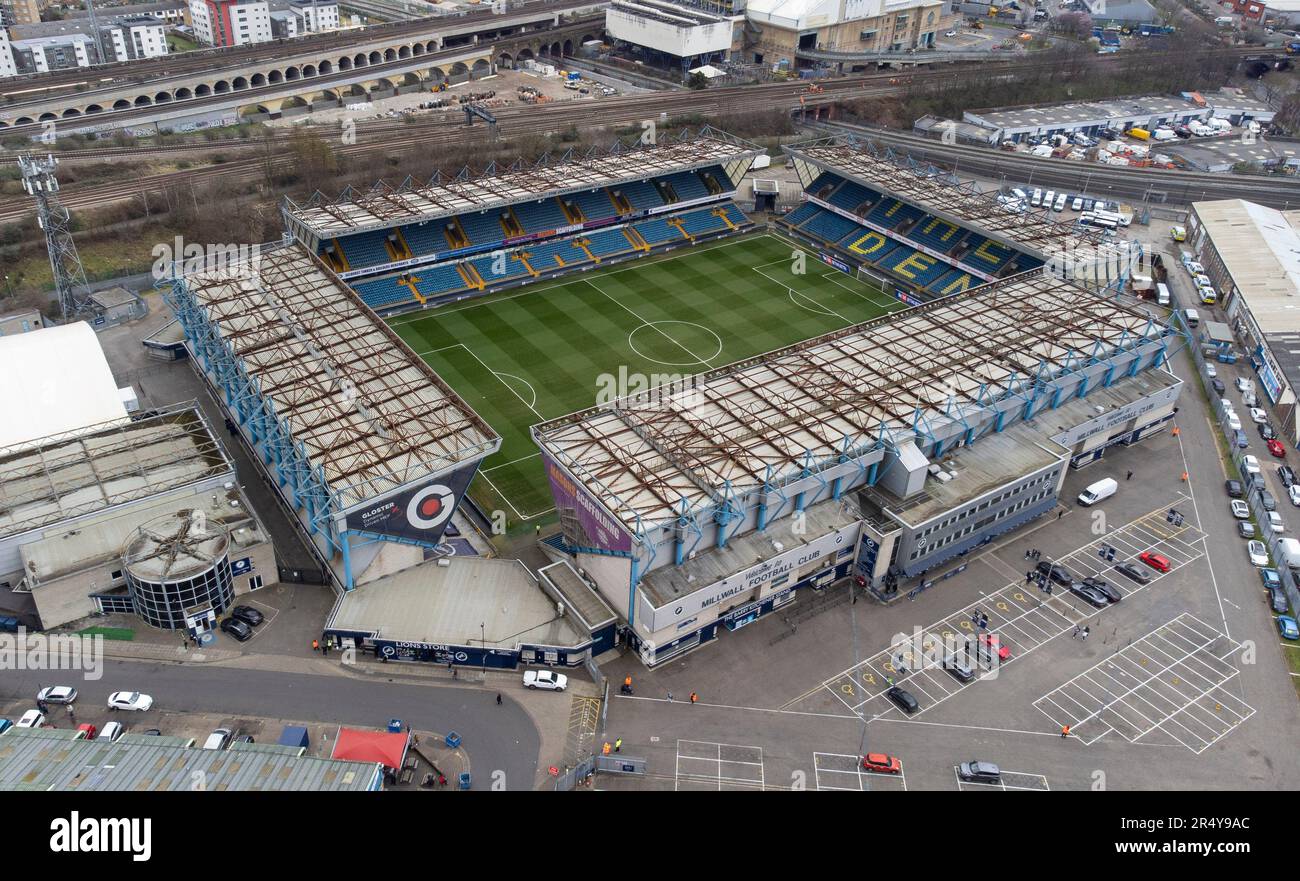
[1089, 594]
[88, 730]
[1287, 627]
[1277, 600]
[1275, 448]
[1257, 553]
[1107, 589]
[129, 700]
[1240, 441]
[1286, 475]
[1158, 562]
[881, 763]
[1056, 572]
[57, 694]
[31, 719]
[111, 732]
[904, 700]
[1266, 431]
[959, 667]
[1130, 570]
[238, 629]
[547, 680]
[1234, 422]
[1245, 529]
[1257, 415]
[152, 732]
[989, 644]
[1249, 465]
[979, 772]
[1233, 488]
[218, 739]
[1293, 492]
[1218, 386]
[1274, 520]
[248, 615]
[1240, 509]
[1266, 499]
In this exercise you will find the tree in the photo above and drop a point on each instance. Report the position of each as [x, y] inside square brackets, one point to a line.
[1073, 24]
[698, 81]
[1289, 116]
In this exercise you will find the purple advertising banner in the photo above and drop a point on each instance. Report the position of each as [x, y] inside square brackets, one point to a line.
[419, 514]
[584, 521]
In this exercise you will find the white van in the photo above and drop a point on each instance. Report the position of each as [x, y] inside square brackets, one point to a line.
[1162, 294]
[1059, 204]
[1289, 550]
[1102, 489]
[1037, 201]
[1193, 317]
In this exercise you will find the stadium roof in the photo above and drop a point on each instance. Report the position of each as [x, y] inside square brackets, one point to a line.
[49, 759]
[835, 395]
[54, 380]
[944, 195]
[370, 414]
[384, 206]
[73, 474]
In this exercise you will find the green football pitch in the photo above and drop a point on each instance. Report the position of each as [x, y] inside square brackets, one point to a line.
[535, 353]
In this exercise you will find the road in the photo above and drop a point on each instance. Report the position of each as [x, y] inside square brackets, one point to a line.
[496, 738]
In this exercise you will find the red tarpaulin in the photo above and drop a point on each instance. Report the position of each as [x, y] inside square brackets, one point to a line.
[371, 746]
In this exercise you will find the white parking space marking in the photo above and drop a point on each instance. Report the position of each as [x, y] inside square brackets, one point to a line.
[704, 765]
[837, 772]
[1010, 780]
[1021, 615]
[1170, 681]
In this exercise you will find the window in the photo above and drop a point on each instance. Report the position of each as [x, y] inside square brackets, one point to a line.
[116, 575]
[254, 582]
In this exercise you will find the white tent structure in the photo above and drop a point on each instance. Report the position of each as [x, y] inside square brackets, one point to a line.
[54, 381]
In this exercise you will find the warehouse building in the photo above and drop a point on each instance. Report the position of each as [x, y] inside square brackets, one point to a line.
[779, 32]
[1090, 118]
[674, 34]
[882, 451]
[59, 760]
[1252, 255]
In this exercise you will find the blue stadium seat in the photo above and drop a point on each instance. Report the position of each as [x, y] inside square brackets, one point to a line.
[987, 255]
[383, 292]
[913, 266]
[850, 195]
[939, 235]
[365, 249]
[640, 195]
[687, 185]
[821, 182]
[425, 238]
[540, 216]
[804, 212]
[513, 269]
[542, 256]
[483, 228]
[657, 230]
[735, 215]
[441, 279]
[890, 213]
[702, 222]
[594, 204]
[608, 243]
[830, 227]
[952, 282]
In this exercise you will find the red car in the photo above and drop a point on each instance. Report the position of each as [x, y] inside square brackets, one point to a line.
[881, 763]
[89, 730]
[1275, 447]
[1158, 562]
[992, 643]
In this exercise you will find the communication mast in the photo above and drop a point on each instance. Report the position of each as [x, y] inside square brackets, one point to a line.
[69, 276]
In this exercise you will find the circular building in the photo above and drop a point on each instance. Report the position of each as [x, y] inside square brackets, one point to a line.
[177, 568]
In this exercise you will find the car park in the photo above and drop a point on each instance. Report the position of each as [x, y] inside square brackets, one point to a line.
[546, 680]
[1233, 488]
[1245, 529]
[219, 739]
[31, 719]
[979, 772]
[238, 629]
[1131, 571]
[1274, 520]
[1089, 594]
[250, 616]
[904, 700]
[129, 700]
[1275, 448]
[1108, 590]
[1158, 562]
[1257, 415]
[1056, 572]
[111, 732]
[1287, 627]
[1257, 553]
[1240, 509]
[881, 763]
[57, 694]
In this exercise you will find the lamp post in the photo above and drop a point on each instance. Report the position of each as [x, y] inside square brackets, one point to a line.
[482, 644]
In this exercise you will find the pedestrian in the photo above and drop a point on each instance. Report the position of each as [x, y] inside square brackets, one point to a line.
[670, 697]
[454, 673]
[604, 750]
[1075, 634]
[315, 645]
[1085, 633]
[498, 699]
[1028, 554]
[1065, 730]
[1060, 514]
[1037, 554]
[1175, 431]
[694, 697]
[1184, 477]
[442, 780]
[1029, 577]
[618, 745]
[325, 648]
[1128, 476]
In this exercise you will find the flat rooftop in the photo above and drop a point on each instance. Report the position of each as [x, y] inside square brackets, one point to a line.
[674, 14]
[384, 207]
[761, 421]
[371, 415]
[68, 476]
[80, 546]
[1049, 115]
[45, 760]
[668, 583]
[1260, 249]
[580, 596]
[939, 193]
[444, 605]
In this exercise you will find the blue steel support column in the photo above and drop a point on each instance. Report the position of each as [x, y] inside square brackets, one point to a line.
[761, 522]
[347, 560]
[679, 544]
[635, 577]
[872, 473]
